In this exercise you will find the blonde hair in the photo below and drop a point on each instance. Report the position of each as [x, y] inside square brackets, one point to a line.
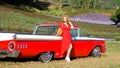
[66, 17]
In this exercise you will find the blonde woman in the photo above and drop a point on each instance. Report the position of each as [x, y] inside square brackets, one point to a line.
[65, 26]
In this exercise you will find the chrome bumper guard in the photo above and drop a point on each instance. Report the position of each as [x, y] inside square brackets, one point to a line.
[5, 53]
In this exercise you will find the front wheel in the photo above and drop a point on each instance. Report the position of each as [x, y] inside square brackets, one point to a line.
[45, 57]
[96, 52]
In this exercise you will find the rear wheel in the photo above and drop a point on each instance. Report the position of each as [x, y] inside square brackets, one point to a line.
[96, 52]
[45, 57]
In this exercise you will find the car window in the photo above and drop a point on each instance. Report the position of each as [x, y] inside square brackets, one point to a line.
[74, 32]
[51, 30]
[46, 30]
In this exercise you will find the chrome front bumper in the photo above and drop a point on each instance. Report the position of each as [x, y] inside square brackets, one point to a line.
[6, 53]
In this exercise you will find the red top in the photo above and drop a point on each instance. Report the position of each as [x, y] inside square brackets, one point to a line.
[66, 37]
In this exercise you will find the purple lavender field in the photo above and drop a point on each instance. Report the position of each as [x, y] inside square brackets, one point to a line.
[94, 18]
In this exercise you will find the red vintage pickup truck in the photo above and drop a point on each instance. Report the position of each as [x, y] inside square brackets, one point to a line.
[44, 44]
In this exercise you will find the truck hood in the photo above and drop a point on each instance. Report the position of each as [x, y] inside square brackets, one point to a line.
[6, 36]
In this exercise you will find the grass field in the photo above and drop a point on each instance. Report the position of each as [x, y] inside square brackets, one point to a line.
[78, 11]
[22, 21]
[110, 59]
[10, 21]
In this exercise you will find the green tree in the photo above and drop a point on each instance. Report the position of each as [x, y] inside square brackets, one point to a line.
[116, 16]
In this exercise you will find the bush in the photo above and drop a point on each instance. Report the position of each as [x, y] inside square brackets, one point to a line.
[26, 8]
[56, 12]
[53, 11]
[41, 5]
[116, 16]
[117, 39]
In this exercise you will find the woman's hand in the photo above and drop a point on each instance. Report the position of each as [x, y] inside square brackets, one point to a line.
[70, 23]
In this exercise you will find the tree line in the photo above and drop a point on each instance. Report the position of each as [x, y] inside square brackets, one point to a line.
[42, 5]
[104, 4]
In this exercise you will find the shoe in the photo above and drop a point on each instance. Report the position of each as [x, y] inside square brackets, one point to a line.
[67, 59]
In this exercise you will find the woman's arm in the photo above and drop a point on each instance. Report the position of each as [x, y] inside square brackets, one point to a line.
[59, 32]
[71, 24]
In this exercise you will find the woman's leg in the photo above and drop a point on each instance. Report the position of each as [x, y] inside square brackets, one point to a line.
[69, 50]
[67, 58]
